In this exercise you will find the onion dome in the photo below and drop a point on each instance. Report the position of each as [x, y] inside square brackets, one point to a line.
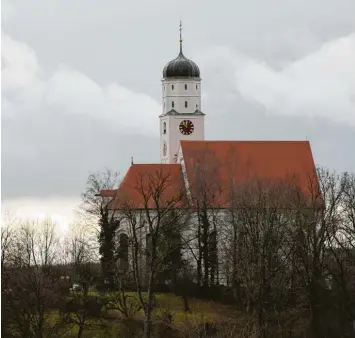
[181, 66]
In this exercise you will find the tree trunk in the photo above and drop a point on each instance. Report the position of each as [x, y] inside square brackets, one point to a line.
[199, 258]
[315, 316]
[186, 303]
[148, 313]
[152, 271]
[147, 326]
[81, 330]
[205, 250]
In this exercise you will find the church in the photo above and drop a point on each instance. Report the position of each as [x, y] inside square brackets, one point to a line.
[188, 159]
[183, 146]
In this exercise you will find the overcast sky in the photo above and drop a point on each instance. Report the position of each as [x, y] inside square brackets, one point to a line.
[81, 84]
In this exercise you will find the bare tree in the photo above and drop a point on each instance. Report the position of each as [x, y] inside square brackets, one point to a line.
[81, 306]
[26, 250]
[8, 233]
[99, 191]
[78, 246]
[206, 195]
[259, 247]
[36, 243]
[95, 208]
[30, 295]
[121, 300]
[30, 286]
[319, 255]
[159, 208]
[340, 250]
[288, 248]
[348, 208]
[48, 241]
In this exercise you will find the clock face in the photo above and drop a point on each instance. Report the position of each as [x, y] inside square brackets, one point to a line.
[165, 147]
[186, 127]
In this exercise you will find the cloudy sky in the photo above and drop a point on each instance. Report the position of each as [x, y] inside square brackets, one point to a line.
[81, 84]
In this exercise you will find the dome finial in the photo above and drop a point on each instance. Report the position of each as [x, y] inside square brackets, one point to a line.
[180, 29]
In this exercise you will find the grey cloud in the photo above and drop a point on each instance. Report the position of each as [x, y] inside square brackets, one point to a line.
[131, 41]
[60, 123]
[52, 155]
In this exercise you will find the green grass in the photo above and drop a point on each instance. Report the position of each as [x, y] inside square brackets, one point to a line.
[169, 306]
[201, 312]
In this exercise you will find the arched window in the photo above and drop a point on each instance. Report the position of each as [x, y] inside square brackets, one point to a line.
[172, 104]
[148, 244]
[197, 106]
[172, 87]
[186, 87]
[185, 104]
[123, 252]
[164, 128]
[196, 86]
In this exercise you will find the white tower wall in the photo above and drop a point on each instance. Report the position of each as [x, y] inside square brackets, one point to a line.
[179, 92]
[173, 136]
[181, 96]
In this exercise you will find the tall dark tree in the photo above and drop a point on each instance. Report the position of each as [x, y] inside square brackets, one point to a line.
[100, 189]
[206, 200]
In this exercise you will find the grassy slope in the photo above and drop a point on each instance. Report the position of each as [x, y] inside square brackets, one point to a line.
[201, 312]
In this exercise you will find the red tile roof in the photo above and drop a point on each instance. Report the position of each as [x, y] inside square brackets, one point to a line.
[232, 163]
[219, 166]
[150, 185]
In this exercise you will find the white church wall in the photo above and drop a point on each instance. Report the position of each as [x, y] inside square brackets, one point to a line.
[189, 249]
[126, 228]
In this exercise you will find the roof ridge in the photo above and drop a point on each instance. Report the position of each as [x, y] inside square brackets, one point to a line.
[153, 164]
[247, 141]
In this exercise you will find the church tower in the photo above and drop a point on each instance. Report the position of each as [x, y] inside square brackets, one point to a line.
[182, 118]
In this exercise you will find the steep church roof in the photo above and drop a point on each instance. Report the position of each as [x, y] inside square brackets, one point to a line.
[141, 183]
[227, 164]
[221, 165]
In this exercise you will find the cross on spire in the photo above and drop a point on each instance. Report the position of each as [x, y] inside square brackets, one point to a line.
[180, 29]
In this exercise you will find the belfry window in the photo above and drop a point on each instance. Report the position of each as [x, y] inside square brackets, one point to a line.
[185, 104]
[186, 87]
[172, 87]
[164, 128]
[172, 104]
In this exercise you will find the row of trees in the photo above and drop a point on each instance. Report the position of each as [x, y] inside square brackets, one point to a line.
[38, 268]
[283, 256]
[283, 250]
